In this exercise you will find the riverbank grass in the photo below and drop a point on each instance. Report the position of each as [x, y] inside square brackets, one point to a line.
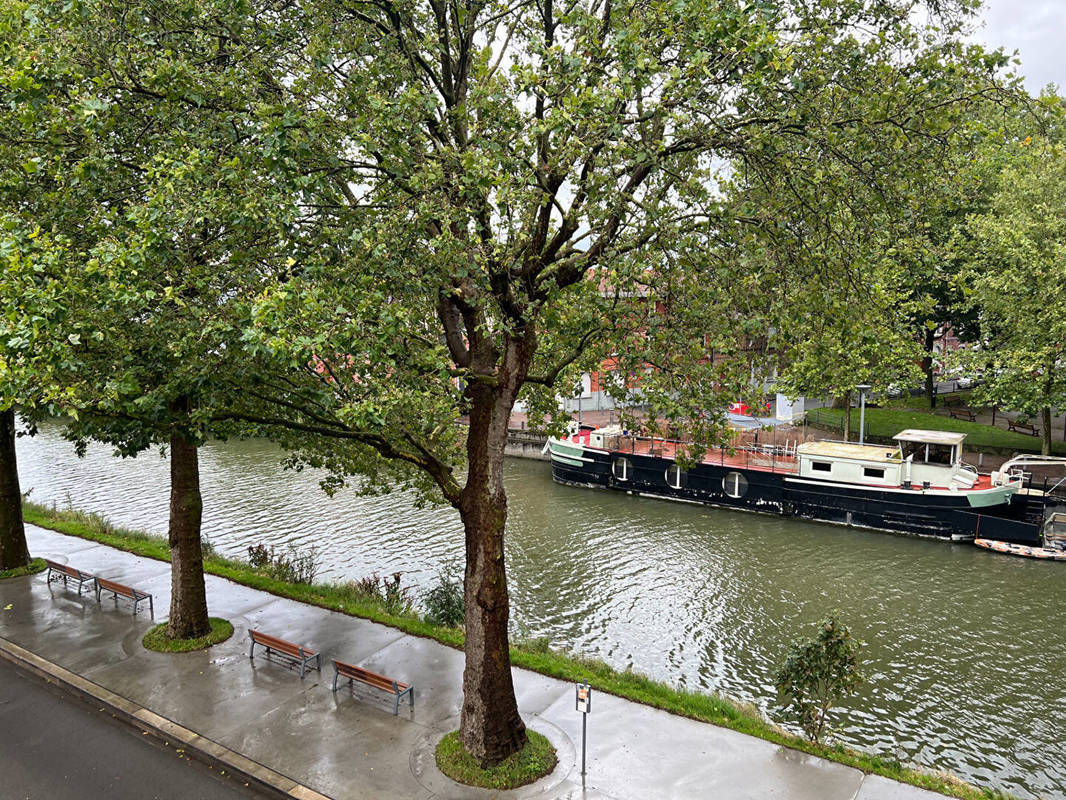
[884, 423]
[535, 655]
[36, 565]
[156, 639]
[529, 764]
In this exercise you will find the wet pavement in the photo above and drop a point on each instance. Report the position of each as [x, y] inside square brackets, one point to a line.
[257, 716]
[67, 750]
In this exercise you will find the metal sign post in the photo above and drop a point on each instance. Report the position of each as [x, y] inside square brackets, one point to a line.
[583, 703]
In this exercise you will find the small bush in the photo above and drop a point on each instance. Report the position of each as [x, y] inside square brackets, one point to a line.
[817, 675]
[539, 644]
[384, 592]
[290, 565]
[443, 600]
[397, 599]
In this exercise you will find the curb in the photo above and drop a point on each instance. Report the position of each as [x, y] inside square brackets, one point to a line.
[206, 750]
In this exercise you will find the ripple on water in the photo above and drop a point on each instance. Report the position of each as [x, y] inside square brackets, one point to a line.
[964, 648]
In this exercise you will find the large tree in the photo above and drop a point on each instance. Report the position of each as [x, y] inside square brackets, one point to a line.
[132, 210]
[499, 189]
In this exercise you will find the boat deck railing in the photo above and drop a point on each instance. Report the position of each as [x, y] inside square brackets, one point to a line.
[772, 457]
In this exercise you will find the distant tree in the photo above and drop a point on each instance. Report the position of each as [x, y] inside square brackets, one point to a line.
[844, 263]
[1015, 280]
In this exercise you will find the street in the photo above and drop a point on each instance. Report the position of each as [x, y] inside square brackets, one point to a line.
[54, 746]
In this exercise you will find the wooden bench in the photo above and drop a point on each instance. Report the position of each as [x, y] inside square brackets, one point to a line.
[948, 400]
[963, 413]
[1022, 427]
[354, 673]
[57, 572]
[293, 652]
[116, 589]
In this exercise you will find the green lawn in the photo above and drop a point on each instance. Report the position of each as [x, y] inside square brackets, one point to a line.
[886, 422]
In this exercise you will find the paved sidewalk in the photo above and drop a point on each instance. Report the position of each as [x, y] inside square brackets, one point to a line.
[259, 717]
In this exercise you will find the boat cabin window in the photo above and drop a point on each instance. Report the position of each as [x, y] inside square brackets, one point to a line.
[873, 472]
[928, 453]
[821, 466]
[674, 476]
[621, 469]
[735, 484]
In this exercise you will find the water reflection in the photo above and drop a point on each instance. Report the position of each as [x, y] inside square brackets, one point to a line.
[966, 650]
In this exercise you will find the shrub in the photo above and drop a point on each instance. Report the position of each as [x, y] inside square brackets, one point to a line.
[385, 592]
[444, 599]
[817, 675]
[397, 600]
[290, 565]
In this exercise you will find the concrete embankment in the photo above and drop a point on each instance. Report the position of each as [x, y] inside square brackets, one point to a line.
[526, 444]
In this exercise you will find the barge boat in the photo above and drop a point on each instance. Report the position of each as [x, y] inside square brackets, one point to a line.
[919, 485]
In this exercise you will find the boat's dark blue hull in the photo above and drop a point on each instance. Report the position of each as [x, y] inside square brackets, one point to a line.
[947, 515]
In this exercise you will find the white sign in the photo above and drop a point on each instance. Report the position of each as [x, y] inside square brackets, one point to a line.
[583, 693]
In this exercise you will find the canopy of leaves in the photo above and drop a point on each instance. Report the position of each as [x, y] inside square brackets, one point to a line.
[344, 219]
[1018, 269]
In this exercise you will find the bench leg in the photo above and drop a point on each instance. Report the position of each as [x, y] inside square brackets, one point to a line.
[251, 650]
[335, 680]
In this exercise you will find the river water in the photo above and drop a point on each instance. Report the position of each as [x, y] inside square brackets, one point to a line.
[966, 650]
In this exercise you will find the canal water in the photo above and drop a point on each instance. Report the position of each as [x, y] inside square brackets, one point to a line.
[966, 650]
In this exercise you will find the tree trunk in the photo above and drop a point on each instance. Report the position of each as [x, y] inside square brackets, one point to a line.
[927, 367]
[491, 728]
[188, 595]
[13, 550]
[1045, 434]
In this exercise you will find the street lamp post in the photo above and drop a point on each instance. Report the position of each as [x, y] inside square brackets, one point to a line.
[862, 387]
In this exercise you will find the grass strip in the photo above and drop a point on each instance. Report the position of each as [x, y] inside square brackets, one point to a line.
[529, 764]
[534, 655]
[157, 639]
[884, 423]
[36, 565]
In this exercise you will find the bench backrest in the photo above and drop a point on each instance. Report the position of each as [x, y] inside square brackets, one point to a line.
[280, 645]
[366, 676]
[70, 571]
[118, 588]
